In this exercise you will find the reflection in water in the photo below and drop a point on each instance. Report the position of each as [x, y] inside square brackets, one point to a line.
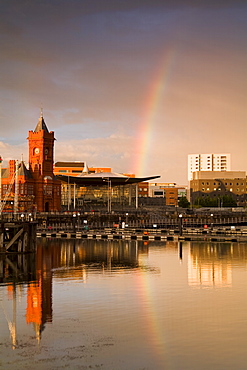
[60, 259]
[169, 270]
[39, 292]
[210, 264]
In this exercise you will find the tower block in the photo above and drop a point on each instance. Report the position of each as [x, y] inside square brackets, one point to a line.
[47, 189]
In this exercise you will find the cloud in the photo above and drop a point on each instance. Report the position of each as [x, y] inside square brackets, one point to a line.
[95, 67]
[17, 152]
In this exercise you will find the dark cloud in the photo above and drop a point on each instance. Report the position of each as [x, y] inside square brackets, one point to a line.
[97, 68]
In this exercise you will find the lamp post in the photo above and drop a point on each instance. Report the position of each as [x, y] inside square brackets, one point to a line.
[74, 219]
[108, 193]
[180, 224]
[78, 220]
[126, 214]
[212, 222]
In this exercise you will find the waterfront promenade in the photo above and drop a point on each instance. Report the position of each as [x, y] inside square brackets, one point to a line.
[140, 225]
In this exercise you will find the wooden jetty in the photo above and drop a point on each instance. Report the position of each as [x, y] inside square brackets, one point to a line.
[199, 234]
[18, 237]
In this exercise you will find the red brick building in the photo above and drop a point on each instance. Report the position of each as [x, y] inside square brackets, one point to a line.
[36, 186]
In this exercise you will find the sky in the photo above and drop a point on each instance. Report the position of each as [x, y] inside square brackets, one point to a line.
[135, 85]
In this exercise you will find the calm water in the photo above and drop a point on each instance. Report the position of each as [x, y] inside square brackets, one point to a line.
[95, 304]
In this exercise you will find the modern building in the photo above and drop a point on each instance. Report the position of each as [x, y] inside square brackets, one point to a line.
[100, 190]
[34, 187]
[76, 168]
[143, 189]
[216, 184]
[208, 162]
[169, 191]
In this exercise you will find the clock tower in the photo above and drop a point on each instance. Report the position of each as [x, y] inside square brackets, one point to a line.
[41, 148]
[41, 152]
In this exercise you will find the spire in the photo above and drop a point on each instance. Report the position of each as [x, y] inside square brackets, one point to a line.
[85, 169]
[41, 124]
[23, 171]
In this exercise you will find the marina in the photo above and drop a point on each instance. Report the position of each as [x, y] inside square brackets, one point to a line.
[124, 304]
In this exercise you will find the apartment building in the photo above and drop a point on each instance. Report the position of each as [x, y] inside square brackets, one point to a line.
[215, 184]
[208, 162]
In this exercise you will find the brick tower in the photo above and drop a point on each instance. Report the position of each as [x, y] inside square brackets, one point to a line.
[47, 189]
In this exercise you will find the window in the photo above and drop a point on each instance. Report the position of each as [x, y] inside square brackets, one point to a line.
[5, 188]
[158, 193]
[30, 189]
[21, 187]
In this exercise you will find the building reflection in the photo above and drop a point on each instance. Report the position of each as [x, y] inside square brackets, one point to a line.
[63, 259]
[39, 293]
[210, 264]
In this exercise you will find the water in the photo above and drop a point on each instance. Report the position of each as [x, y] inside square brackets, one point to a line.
[96, 304]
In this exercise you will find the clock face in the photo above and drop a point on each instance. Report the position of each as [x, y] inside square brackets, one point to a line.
[36, 150]
[46, 151]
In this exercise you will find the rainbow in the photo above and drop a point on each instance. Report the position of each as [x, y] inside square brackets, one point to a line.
[152, 103]
[156, 338]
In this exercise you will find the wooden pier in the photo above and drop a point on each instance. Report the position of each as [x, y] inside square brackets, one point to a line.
[18, 237]
[199, 234]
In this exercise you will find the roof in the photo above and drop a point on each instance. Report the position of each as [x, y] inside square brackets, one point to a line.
[23, 171]
[69, 164]
[103, 178]
[5, 173]
[41, 125]
[102, 175]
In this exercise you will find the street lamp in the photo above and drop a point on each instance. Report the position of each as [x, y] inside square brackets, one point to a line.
[108, 193]
[212, 221]
[74, 216]
[85, 227]
[78, 220]
[180, 224]
[126, 221]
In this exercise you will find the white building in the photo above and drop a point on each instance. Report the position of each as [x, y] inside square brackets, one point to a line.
[208, 162]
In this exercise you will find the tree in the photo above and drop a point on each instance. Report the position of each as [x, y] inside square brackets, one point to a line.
[220, 201]
[228, 201]
[183, 202]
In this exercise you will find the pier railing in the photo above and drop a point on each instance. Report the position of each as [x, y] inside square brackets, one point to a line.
[80, 222]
